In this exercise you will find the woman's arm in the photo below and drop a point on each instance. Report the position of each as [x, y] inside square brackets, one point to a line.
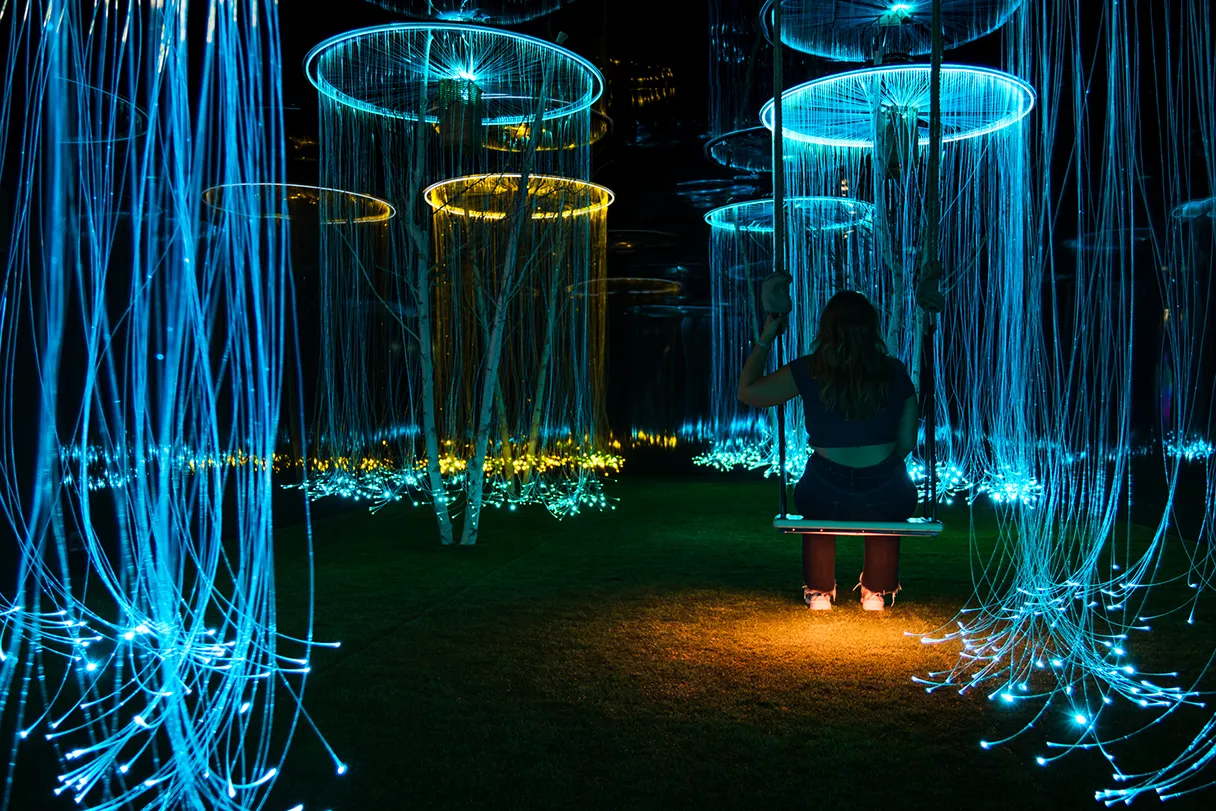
[758, 389]
[909, 420]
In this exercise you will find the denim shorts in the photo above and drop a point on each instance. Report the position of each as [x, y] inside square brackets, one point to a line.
[832, 492]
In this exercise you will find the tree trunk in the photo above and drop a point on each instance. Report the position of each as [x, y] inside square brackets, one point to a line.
[422, 281]
[519, 222]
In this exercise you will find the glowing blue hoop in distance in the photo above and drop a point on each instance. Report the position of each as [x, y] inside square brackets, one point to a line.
[398, 69]
[341, 207]
[839, 110]
[818, 214]
[486, 12]
[852, 30]
[748, 149]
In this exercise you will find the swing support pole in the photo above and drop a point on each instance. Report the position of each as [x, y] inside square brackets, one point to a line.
[931, 265]
[779, 236]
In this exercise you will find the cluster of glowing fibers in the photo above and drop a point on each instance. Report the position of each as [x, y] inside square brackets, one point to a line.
[399, 71]
[857, 30]
[839, 110]
[496, 197]
[562, 496]
[544, 420]
[291, 201]
[471, 337]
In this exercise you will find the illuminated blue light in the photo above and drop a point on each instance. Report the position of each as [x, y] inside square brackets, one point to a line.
[396, 59]
[838, 110]
[822, 213]
[1192, 449]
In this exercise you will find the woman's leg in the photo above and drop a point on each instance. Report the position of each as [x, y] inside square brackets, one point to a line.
[880, 571]
[893, 501]
[819, 562]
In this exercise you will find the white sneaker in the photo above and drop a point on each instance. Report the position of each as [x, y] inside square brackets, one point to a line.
[872, 600]
[817, 600]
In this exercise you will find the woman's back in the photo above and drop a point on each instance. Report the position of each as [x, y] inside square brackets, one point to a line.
[861, 439]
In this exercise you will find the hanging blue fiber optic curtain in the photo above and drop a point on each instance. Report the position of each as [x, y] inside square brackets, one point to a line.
[863, 133]
[143, 344]
[833, 250]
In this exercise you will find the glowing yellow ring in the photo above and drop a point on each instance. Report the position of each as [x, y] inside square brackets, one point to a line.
[440, 196]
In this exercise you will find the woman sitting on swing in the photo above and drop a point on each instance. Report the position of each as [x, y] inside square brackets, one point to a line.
[861, 422]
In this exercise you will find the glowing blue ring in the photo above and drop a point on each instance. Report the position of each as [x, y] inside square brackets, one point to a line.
[756, 216]
[1019, 99]
[312, 68]
[720, 149]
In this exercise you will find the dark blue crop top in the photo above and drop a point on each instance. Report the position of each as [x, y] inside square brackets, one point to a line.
[829, 429]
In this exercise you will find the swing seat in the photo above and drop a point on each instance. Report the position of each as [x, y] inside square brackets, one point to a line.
[913, 527]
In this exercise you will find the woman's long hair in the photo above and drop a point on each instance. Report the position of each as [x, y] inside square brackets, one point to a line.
[849, 360]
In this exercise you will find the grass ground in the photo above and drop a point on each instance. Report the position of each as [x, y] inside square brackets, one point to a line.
[657, 656]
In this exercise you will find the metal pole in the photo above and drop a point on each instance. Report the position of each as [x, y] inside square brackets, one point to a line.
[779, 232]
[932, 254]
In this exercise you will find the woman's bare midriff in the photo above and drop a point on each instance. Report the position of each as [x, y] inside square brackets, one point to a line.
[864, 456]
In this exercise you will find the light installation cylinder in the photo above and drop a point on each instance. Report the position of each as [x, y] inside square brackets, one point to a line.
[550, 406]
[829, 249]
[864, 133]
[403, 107]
